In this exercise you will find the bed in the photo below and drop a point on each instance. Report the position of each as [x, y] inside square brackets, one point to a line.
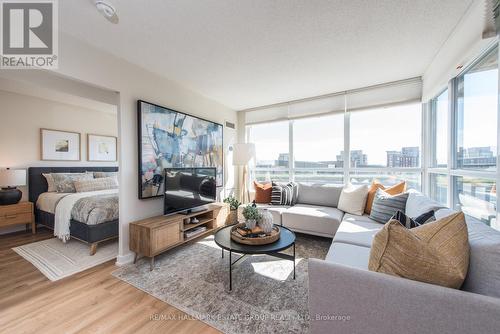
[92, 234]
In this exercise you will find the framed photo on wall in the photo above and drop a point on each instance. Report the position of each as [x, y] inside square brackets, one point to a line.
[101, 148]
[60, 145]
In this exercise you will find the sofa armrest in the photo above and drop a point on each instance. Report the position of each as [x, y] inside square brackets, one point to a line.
[348, 300]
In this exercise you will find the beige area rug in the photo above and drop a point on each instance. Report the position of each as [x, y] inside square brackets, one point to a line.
[265, 298]
[57, 260]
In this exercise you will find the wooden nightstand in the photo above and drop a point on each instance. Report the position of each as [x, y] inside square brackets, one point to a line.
[16, 214]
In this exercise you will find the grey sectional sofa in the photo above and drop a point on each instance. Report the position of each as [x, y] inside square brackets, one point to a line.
[344, 297]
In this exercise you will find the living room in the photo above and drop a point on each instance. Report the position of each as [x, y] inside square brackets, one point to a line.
[282, 166]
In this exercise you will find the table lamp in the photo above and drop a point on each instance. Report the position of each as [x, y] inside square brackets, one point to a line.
[9, 180]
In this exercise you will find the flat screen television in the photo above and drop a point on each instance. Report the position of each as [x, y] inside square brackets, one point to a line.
[189, 189]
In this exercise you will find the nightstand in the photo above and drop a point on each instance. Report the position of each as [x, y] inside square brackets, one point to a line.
[17, 214]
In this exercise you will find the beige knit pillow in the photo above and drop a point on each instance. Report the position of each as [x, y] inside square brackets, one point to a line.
[103, 183]
[436, 253]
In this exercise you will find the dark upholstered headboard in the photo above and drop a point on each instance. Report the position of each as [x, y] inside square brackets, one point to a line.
[37, 183]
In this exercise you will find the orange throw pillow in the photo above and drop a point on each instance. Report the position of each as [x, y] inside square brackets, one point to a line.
[394, 190]
[263, 192]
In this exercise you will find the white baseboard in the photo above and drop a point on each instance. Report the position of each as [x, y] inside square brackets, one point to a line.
[122, 260]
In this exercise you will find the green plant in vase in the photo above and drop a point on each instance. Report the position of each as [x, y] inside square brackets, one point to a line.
[252, 215]
[232, 217]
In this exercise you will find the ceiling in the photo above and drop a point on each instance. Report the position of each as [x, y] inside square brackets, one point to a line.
[248, 53]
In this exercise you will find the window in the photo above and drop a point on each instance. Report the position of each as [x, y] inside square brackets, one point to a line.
[386, 137]
[413, 180]
[439, 188]
[318, 145]
[271, 150]
[439, 130]
[477, 198]
[477, 92]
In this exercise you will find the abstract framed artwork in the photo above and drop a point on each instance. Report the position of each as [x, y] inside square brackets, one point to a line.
[60, 145]
[101, 148]
[172, 139]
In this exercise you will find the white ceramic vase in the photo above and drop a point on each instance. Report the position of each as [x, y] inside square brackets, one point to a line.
[250, 223]
[266, 222]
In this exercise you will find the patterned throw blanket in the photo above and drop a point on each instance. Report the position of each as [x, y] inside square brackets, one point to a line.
[90, 208]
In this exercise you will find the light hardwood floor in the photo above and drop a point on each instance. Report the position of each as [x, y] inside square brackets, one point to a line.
[92, 301]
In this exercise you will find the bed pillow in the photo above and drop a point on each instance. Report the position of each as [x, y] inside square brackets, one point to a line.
[99, 175]
[103, 183]
[64, 181]
[385, 206]
[394, 190]
[353, 199]
[435, 253]
[51, 186]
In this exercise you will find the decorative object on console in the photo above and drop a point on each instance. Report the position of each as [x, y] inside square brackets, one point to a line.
[263, 192]
[409, 222]
[232, 217]
[60, 145]
[393, 190]
[266, 221]
[251, 215]
[385, 206]
[101, 148]
[172, 139]
[435, 253]
[353, 199]
[9, 180]
[243, 153]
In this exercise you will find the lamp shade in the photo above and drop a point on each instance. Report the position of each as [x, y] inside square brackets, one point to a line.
[12, 177]
[243, 153]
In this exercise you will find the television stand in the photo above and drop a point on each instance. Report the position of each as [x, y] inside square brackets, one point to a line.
[152, 236]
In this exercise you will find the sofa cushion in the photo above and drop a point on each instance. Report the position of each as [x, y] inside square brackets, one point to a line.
[385, 206]
[312, 219]
[484, 269]
[353, 199]
[357, 230]
[275, 212]
[318, 194]
[436, 253]
[418, 204]
[349, 255]
[262, 192]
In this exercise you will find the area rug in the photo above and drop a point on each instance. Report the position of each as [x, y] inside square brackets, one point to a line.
[57, 260]
[264, 299]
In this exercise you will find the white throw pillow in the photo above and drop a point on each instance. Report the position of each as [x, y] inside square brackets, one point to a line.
[353, 199]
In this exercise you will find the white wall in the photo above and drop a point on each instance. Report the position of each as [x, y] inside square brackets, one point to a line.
[22, 116]
[83, 62]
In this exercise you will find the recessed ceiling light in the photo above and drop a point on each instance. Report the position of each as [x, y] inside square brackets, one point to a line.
[107, 10]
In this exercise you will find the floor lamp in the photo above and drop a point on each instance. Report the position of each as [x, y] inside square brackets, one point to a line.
[242, 154]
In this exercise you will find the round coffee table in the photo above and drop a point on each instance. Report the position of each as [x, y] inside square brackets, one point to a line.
[224, 241]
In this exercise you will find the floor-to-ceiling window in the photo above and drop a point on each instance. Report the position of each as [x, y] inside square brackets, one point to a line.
[465, 124]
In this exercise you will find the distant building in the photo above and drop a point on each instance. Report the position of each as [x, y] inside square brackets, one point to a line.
[358, 159]
[407, 157]
[476, 157]
[283, 160]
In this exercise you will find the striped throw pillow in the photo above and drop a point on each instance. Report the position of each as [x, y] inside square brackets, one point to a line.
[284, 194]
[409, 222]
[385, 206]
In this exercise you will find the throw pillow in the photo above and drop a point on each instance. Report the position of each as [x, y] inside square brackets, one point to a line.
[64, 182]
[353, 199]
[102, 183]
[409, 222]
[284, 194]
[263, 192]
[394, 190]
[385, 206]
[436, 253]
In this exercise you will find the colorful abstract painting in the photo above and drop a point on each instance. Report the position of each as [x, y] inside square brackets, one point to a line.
[168, 138]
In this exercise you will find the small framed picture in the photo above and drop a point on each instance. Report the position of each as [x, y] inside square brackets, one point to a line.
[60, 145]
[101, 148]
